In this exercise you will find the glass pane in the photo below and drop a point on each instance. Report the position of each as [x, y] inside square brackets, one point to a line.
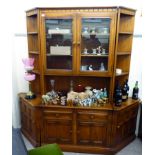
[95, 44]
[59, 43]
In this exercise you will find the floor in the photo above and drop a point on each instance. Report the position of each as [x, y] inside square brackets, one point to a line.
[134, 148]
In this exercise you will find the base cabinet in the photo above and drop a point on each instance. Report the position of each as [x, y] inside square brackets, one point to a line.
[76, 129]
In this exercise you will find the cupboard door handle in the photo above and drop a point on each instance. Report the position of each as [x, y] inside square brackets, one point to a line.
[78, 131]
[74, 43]
[91, 116]
[78, 43]
[118, 126]
[57, 115]
[70, 131]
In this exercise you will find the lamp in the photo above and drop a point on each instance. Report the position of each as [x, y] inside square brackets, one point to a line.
[29, 75]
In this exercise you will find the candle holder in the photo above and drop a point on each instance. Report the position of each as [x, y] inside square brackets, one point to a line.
[29, 75]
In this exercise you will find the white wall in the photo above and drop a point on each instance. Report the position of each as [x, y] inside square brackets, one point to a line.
[20, 42]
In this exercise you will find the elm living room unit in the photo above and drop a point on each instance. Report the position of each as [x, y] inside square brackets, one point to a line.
[83, 46]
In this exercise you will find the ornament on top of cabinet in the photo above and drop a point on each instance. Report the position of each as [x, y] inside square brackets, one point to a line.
[29, 75]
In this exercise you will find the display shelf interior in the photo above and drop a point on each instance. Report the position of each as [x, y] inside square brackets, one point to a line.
[126, 23]
[59, 62]
[32, 24]
[124, 43]
[95, 62]
[123, 62]
[33, 43]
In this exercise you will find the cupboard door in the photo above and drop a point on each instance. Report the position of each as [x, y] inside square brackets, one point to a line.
[93, 128]
[96, 33]
[59, 40]
[57, 127]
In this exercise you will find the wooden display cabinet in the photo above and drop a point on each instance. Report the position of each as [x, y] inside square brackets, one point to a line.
[83, 45]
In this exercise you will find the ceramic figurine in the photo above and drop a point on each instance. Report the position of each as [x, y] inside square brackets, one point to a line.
[90, 67]
[102, 68]
[94, 51]
[85, 51]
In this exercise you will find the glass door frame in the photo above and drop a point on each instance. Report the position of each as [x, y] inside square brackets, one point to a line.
[112, 17]
[52, 15]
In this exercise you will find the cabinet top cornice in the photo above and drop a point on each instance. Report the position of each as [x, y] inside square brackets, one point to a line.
[82, 7]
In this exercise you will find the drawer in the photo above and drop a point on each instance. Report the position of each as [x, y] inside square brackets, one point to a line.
[90, 116]
[67, 115]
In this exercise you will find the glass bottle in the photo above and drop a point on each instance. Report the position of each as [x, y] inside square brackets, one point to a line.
[118, 95]
[135, 91]
[127, 86]
[124, 92]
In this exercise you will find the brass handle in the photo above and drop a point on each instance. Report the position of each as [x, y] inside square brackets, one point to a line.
[78, 131]
[57, 115]
[74, 43]
[78, 43]
[118, 126]
[91, 116]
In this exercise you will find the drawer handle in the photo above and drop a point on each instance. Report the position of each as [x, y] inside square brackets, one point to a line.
[91, 116]
[70, 131]
[78, 131]
[118, 126]
[57, 115]
[78, 43]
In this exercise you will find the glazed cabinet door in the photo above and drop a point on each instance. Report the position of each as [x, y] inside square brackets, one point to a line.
[95, 39]
[93, 128]
[58, 43]
[57, 127]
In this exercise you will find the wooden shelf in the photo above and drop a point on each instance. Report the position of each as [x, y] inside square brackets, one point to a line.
[34, 52]
[92, 55]
[127, 33]
[32, 32]
[123, 53]
[58, 55]
[122, 74]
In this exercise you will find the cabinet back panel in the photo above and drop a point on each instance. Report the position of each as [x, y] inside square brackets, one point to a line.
[64, 85]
